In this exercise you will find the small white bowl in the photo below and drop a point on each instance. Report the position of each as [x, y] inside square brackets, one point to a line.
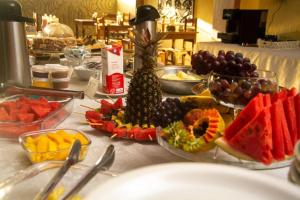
[84, 73]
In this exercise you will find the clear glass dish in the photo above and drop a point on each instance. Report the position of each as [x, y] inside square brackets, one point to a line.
[60, 154]
[26, 184]
[15, 129]
[217, 155]
[236, 91]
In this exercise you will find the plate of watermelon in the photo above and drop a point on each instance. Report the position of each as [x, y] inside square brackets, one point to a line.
[20, 114]
[266, 130]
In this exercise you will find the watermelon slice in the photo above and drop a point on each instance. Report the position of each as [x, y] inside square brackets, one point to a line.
[54, 105]
[248, 113]
[3, 114]
[25, 117]
[290, 114]
[277, 134]
[292, 92]
[41, 110]
[280, 95]
[297, 111]
[255, 138]
[288, 145]
[267, 100]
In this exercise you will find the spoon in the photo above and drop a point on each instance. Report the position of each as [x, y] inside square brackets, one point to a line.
[72, 159]
[102, 164]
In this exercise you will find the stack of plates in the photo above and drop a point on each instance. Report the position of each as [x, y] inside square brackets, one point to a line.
[294, 173]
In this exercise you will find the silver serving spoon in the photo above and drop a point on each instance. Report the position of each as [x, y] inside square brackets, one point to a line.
[102, 164]
[72, 159]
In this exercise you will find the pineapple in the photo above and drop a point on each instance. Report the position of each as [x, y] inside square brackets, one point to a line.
[144, 93]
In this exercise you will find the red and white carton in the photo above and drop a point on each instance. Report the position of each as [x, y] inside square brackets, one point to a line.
[112, 71]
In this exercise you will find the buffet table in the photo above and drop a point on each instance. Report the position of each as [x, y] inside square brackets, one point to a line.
[129, 154]
[285, 62]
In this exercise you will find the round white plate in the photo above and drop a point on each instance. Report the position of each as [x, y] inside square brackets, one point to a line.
[179, 181]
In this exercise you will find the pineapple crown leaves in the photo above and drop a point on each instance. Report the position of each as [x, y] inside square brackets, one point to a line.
[147, 45]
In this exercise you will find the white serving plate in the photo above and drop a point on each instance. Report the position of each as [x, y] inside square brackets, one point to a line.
[179, 181]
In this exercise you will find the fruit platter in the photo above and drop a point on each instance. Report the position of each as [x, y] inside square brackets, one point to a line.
[259, 138]
[20, 114]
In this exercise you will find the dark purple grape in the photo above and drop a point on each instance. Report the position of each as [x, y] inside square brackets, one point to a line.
[212, 58]
[246, 60]
[224, 83]
[221, 52]
[220, 58]
[239, 67]
[255, 74]
[199, 58]
[240, 55]
[230, 52]
[229, 57]
[253, 67]
[238, 60]
[248, 94]
[205, 54]
[245, 84]
[246, 66]
[200, 52]
[239, 91]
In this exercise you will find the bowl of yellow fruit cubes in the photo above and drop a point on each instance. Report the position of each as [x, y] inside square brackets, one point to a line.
[52, 144]
[178, 79]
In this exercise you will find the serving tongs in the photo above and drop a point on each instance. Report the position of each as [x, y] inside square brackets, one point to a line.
[72, 159]
[103, 164]
[15, 90]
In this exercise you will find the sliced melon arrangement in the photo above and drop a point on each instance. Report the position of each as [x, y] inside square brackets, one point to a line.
[266, 130]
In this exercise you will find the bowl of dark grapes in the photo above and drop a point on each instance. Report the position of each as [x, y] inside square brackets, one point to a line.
[232, 79]
[236, 91]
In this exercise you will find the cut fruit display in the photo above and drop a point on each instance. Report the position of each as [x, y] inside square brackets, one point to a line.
[197, 132]
[110, 119]
[253, 134]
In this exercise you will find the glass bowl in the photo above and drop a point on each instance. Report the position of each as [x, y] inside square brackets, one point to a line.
[60, 147]
[236, 92]
[14, 129]
[27, 183]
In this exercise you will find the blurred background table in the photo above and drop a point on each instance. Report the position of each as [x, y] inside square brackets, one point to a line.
[285, 62]
[82, 23]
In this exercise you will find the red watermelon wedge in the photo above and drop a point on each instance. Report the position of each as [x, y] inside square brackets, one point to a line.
[277, 134]
[297, 109]
[248, 113]
[255, 138]
[288, 145]
[290, 114]
[267, 100]
[280, 95]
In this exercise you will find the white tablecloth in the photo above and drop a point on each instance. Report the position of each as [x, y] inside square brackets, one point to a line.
[285, 62]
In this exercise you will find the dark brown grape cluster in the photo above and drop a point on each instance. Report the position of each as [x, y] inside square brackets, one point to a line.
[239, 91]
[227, 63]
[170, 110]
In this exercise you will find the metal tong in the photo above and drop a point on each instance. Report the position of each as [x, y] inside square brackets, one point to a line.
[102, 164]
[72, 159]
[13, 90]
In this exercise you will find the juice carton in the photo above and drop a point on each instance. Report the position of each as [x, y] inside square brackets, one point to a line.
[112, 71]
